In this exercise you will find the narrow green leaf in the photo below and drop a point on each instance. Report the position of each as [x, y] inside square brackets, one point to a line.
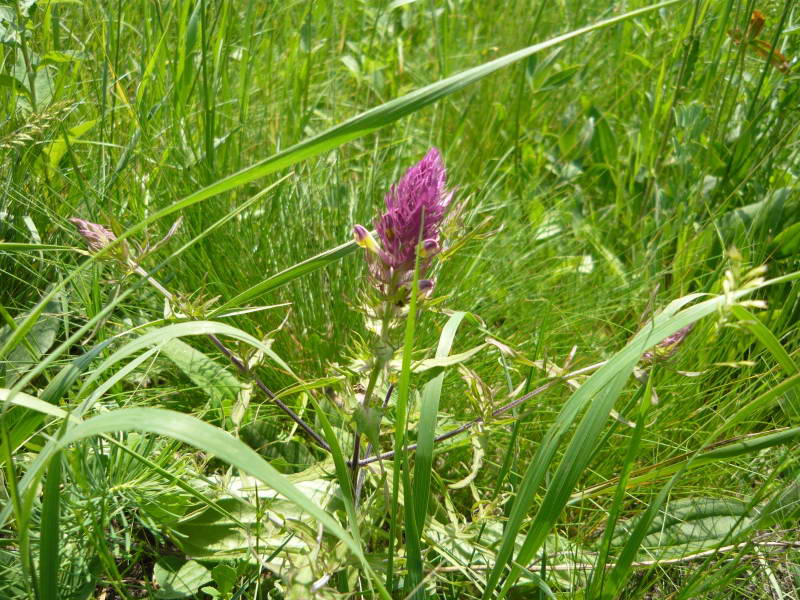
[771, 343]
[50, 532]
[273, 282]
[427, 424]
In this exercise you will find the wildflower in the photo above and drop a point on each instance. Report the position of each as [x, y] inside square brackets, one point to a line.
[96, 236]
[415, 208]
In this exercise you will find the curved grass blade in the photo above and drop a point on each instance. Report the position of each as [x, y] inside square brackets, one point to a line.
[427, 425]
[177, 330]
[202, 436]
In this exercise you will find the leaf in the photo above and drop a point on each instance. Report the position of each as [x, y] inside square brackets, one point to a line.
[214, 380]
[368, 421]
[560, 78]
[476, 544]
[50, 532]
[225, 578]
[38, 341]
[56, 149]
[788, 240]
[604, 140]
[178, 579]
[779, 209]
[429, 411]
[687, 526]
[440, 362]
[478, 452]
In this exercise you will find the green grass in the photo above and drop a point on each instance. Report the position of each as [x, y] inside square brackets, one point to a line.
[604, 175]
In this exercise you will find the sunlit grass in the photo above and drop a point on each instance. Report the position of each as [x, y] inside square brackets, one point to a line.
[603, 178]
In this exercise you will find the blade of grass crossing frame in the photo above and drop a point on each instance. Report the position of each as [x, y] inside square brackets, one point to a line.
[401, 413]
[49, 528]
[358, 126]
[426, 431]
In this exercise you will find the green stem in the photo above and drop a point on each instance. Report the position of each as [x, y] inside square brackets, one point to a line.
[23, 44]
[380, 362]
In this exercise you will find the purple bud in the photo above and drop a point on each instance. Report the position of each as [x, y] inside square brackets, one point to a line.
[668, 346]
[365, 239]
[360, 232]
[425, 285]
[96, 236]
[429, 248]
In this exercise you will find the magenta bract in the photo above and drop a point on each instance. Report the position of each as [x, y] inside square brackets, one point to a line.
[96, 236]
[415, 207]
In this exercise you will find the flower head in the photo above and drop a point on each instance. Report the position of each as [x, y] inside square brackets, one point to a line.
[415, 207]
[96, 236]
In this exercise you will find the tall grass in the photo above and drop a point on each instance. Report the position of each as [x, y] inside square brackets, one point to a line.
[624, 167]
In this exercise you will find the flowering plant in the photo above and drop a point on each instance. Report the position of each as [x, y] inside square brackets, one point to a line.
[409, 232]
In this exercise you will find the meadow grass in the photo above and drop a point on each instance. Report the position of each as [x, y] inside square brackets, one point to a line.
[604, 176]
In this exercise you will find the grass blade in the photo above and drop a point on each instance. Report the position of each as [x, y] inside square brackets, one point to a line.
[427, 425]
[49, 528]
[202, 436]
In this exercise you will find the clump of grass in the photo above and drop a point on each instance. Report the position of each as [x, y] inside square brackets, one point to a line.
[607, 174]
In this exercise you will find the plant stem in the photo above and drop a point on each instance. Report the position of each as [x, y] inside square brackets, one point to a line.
[362, 474]
[31, 73]
[355, 462]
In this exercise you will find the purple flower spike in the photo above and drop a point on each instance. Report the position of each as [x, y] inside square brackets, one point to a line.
[96, 236]
[415, 207]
